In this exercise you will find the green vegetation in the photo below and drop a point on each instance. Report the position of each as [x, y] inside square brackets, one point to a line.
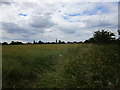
[61, 66]
[103, 37]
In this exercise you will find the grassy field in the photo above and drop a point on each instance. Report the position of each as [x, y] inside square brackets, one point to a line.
[61, 66]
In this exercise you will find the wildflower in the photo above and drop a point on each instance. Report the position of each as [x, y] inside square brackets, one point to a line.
[60, 55]
[110, 84]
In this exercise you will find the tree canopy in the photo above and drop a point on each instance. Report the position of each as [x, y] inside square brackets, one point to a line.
[102, 36]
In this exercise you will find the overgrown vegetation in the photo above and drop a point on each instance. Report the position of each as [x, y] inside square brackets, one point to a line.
[61, 66]
[103, 37]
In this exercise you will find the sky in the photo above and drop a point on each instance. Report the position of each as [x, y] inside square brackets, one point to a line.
[47, 20]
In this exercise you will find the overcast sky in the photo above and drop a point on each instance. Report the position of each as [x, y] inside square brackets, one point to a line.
[46, 21]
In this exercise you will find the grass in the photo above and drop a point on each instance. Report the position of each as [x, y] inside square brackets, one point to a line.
[61, 66]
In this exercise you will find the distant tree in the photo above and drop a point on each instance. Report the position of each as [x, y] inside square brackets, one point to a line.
[75, 42]
[56, 41]
[80, 42]
[62, 42]
[102, 36]
[4, 43]
[40, 42]
[19, 43]
[34, 42]
[47, 43]
[12, 43]
[69, 42]
[86, 41]
[59, 41]
[91, 40]
[16, 43]
[118, 34]
[28, 43]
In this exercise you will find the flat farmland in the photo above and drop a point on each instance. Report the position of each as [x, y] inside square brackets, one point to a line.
[61, 66]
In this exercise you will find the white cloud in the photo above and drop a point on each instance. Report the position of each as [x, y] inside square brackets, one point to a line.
[52, 1]
[50, 20]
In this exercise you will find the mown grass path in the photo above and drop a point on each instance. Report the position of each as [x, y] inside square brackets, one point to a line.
[55, 78]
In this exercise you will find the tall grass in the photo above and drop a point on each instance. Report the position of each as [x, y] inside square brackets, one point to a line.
[61, 66]
[94, 66]
[23, 64]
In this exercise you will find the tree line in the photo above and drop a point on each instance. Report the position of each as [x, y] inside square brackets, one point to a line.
[103, 37]
[39, 42]
[99, 37]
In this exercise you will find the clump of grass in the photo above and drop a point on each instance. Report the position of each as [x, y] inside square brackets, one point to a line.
[23, 72]
[94, 67]
[21, 68]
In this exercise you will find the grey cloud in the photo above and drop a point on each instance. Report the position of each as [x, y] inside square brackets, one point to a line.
[68, 30]
[23, 33]
[30, 5]
[41, 22]
[13, 28]
[5, 3]
[98, 24]
[101, 24]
